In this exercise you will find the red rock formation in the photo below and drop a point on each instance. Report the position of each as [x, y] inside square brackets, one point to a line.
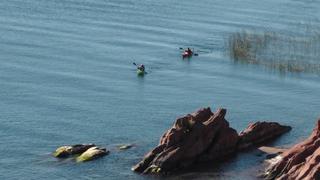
[260, 132]
[189, 138]
[302, 161]
[201, 136]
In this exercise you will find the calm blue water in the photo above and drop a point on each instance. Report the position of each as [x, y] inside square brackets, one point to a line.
[66, 77]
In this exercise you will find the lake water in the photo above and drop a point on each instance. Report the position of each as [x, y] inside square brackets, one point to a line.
[67, 77]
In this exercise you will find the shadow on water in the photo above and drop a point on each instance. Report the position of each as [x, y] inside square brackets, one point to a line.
[233, 167]
[248, 163]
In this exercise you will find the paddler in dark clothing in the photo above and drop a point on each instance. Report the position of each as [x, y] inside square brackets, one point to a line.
[141, 67]
[189, 51]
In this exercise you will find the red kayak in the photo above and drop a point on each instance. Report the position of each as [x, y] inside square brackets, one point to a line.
[186, 54]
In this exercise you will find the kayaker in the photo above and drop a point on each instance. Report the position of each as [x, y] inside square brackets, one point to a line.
[189, 51]
[141, 67]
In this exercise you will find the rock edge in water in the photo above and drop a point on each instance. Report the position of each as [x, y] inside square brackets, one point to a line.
[203, 136]
[302, 161]
[260, 132]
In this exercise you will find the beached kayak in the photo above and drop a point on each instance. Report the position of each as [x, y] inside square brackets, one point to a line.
[140, 72]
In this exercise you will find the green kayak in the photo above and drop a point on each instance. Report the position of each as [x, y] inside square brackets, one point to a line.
[140, 72]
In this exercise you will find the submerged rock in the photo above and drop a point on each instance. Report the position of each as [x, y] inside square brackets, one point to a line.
[302, 161]
[92, 153]
[125, 146]
[200, 136]
[272, 152]
[260, 132]
[66, 151]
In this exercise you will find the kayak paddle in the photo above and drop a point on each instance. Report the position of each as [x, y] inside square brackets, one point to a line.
[137, 67]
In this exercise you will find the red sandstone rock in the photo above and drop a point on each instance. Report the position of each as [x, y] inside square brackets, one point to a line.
[201, 136]
[224, 146]
[183, 124]
[188, 139]
[260, 132]
[302, 161]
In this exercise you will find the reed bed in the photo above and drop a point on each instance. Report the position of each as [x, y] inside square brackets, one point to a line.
[277, 51]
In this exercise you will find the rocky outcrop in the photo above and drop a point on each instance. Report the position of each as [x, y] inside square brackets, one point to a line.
[260, 132]
[86, 152]
[302, 161]
[197, 137]
[66, 151]
[180, 146]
